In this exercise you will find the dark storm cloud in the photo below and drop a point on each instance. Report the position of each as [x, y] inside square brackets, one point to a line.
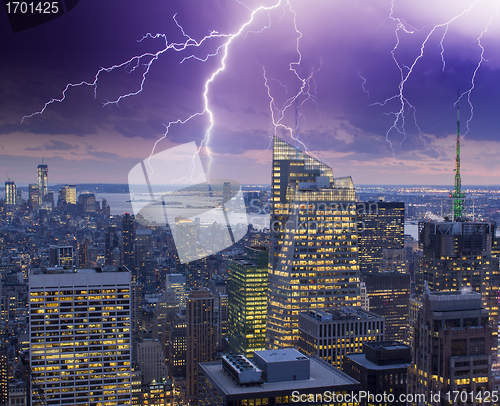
[54, 145]
[104, 155]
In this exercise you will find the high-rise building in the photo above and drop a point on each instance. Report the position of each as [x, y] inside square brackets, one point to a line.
[247, 301]
[67, 194]
[313, 260]
[177, 346]
[4, 384]
[389, 295]
[144, 259]
[226, 192]
[10, 192]
[86, 203]
[458, 255]
[42, 181]
[61, 256]
[34, 196]
[200, 335]
[330, 334]
[381, 230]
[177, 283]
[452, 347]
[80, 340]
[151, 361]
[112, 241]
[128, 238]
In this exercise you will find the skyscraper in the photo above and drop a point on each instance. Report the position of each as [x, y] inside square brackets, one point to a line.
[43, 181]
[112, 242]
[247, 301]
[34, 196]
[80, 344]
[313, 261]
[381, 234]
[200, 335]
[452, 350]
[67, 194]
[10, 192]
[128, 238]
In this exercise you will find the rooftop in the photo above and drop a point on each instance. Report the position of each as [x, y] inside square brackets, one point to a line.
[360, 359]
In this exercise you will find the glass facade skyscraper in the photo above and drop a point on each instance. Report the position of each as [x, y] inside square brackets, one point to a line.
[43, 181]
[313, 261]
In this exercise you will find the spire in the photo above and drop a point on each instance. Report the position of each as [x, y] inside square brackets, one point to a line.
[457, 195]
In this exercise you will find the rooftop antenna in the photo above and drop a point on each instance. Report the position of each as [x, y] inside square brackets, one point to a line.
[457, 195]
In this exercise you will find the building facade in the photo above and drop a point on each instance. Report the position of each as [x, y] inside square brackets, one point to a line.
[332, 333]
[313, 259]
[247, 301]
[80, 339]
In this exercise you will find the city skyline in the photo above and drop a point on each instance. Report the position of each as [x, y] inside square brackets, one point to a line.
[347, 47]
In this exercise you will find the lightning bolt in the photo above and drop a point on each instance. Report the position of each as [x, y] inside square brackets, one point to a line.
[405, 71]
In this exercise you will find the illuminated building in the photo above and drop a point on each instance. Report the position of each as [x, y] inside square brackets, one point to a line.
[156, 394]
[128, 238]
[331, 333]
[4, 384]
[313, 260]
[452, 349]
[177, 283]
[276, 377]
[67, 194]
[151, 361]
[176, 358]
[34, 196]
[381, 368]
[61, 256]
[10, 192]
[247, 301]
[389, 294]
[200, 335]
[80, 343]
[43, 181]
[458, 255]
[381, 229]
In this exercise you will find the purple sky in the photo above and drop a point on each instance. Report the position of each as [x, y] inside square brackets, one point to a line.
[345, 45]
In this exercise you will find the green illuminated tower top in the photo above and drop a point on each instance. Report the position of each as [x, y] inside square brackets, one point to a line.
[457, 195]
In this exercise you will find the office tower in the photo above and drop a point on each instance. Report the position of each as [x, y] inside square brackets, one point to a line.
[86, 203]
[67, 194]
[42, 181]
[313, 260]
[61, 256]
[331, 333]
[10, 192]
[365, 300]
[144, 260]
[389, 294]
[151, 361]
[381, 368]
[458, 255]
[106, 210]
[128, 238]
[381, 230]
[247, 301]
[165, 310]
[177, 283]
[226, 192]
[34, 196]
[80, 350]
[277, 377]
[199, 335]
[49, 198]
[177, 346]
[222, 321]
[112, 241]
[19, 196]
[452, 349]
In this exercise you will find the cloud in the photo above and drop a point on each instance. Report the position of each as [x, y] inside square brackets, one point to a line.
[53, 145]
[104, 155]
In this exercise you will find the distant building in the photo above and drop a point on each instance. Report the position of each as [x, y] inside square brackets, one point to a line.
[67, 194]
[200, 335]
[331, 333]
[151, 361]
[43, 181]
[177, 346]
[111, 242]
[4, 374]
[86, 203]
[128, 238]
[80, 335]
[452, 345]
[380, 369]
[34, 196]
[61, 256]
[276, 377]
[10, 192]
[178, 282]
[389, 294]
[381, 227]
[247, 301]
